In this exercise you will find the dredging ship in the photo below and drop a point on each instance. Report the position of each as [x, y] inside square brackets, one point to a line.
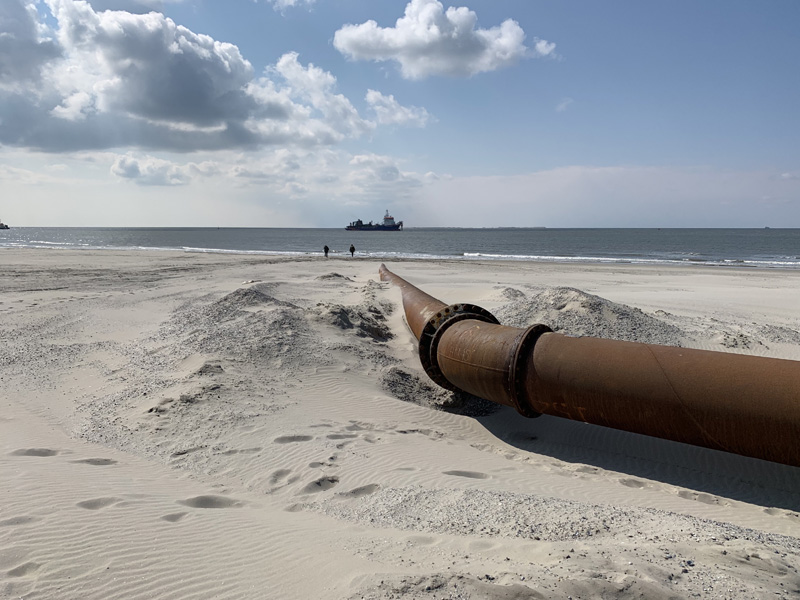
[388, 224]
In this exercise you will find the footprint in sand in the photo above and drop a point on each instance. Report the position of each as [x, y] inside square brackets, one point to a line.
[174, 517]
[279, 476]
[98, 462]
[24, 569]
[241, 451]
[586, 469]
[633, 483]
[699, 497]
[289, 439]
[211, 501]
[422, 540]
[434, 435]
[468, 474]
[342, 436]
[14, 521]
[34, 452]
[482, 545]
[320, 485]
[328, 464]
[185, 451]
[359, 492]
[98, 503]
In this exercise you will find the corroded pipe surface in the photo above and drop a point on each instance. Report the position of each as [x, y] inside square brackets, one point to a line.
[418, 305]
[747, 405]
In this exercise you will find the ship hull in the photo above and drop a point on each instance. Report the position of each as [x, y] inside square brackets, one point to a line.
[397, 227]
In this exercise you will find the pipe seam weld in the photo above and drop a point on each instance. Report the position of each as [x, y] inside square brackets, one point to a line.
[432, 333]
[516, 376]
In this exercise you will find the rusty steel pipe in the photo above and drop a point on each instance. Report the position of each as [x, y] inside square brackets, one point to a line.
[746, 405]
[419, 306]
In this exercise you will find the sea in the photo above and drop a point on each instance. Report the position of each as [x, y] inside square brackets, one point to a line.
[773, 248]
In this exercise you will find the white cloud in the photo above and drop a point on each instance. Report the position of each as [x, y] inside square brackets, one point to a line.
[113, 79]
[147, 67]
[75, 107]
[429, 41]
[564, 104]
[374, 175]
[278, 167]
[389, 112]
[320, 174]
[316, 86]
[282, 5]
[25, 47]
[544, 48]
[132, 6]
[150, 171]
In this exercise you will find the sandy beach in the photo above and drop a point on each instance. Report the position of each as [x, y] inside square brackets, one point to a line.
[189, 425]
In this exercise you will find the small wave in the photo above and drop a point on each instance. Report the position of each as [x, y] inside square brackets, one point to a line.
[581, 259]
[255, 252]
[45, 243]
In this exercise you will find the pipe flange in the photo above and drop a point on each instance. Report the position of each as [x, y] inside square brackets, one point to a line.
[432, 333]
[516, 384]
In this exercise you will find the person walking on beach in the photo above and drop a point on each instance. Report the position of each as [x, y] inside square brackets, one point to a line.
[352, 250]
[325, 250]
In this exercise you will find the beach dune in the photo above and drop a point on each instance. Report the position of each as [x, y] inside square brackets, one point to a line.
[190, 425]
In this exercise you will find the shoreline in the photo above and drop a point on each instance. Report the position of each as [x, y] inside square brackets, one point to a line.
[464, 257]
[722, 246]
[208, 425]
[468, 257]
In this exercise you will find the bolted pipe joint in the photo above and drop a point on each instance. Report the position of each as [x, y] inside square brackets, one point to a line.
[453, 366]
[432, 333]
[490, 361]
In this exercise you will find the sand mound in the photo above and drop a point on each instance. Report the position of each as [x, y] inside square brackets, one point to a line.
[574, 312]
[333, 277]
[497, 587]
[781, 335]
[242, 298]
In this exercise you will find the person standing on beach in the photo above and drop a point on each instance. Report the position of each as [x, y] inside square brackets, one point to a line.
[352, 250]
[325, 250]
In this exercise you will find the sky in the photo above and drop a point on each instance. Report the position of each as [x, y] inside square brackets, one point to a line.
[477, 113]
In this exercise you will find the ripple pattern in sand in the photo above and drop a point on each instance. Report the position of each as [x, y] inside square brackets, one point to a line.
[119, 545]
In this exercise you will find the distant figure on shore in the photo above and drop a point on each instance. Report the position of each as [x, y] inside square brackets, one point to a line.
[352, 250]
[325, 250]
